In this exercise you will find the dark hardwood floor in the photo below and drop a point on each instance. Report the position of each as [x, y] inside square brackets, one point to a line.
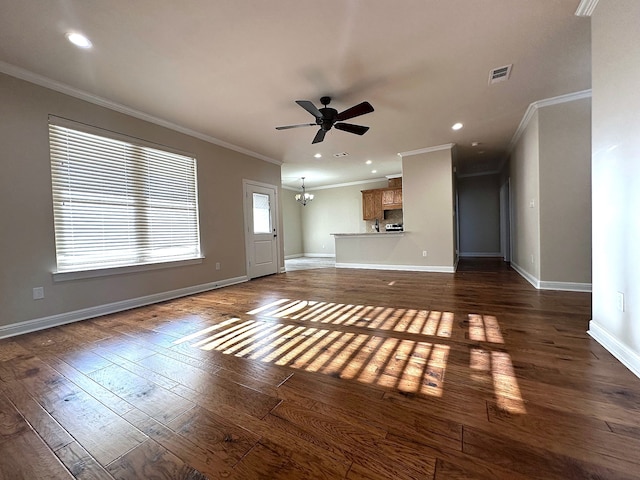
[327, 373]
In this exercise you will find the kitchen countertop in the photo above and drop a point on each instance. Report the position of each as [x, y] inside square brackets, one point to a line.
[368, 234]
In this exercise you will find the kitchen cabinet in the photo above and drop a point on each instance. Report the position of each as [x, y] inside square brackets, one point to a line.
[391, 198]
[395, 182]
[375, 202]
[372, 205]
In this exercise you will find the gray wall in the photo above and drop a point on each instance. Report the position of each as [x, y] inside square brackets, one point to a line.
[292, 220]
[428, 206]
[565, 192]
[616, 177]
[524, 166]
[551, 197]
[27, 245]
[479, 210]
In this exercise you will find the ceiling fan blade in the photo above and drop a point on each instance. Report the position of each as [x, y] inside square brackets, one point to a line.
[319, 136]
[355, 111]
[310, 107]
[349, 127]
[287, 127]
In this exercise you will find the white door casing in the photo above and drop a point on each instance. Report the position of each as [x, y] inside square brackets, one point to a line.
[261, 228]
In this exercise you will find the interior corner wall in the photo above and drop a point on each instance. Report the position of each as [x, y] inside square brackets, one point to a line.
[550, 177]
[479, 215]
[565, 192]
[292, 223]
[616, 178]
[27, 243]
[524, 174]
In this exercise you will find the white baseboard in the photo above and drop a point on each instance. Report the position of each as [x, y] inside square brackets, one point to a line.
[319, 255]
[526, 275]
[546, 285]
[565, 286]
[623, 353]
[97, 311]
[295, 255]
[479, 254]
[408, 268]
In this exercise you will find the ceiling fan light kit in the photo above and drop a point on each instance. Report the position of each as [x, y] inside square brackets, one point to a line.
[327, 118]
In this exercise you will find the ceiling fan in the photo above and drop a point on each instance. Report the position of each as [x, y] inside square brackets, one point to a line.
[328, 117]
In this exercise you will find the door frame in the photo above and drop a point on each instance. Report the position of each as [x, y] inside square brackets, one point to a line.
[506, 220]
[247, 209]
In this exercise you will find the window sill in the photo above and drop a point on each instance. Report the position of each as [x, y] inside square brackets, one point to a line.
[106, 272]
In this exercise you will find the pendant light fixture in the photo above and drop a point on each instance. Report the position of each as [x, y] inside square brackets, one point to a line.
[304, 197]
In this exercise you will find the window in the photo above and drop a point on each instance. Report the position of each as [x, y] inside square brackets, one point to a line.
[261, 214]
[118, 202]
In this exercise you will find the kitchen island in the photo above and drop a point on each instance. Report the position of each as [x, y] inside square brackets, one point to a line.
[382, 251]
[366, 250]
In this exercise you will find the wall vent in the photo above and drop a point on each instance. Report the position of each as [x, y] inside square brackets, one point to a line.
[342, 154]
[500, 74]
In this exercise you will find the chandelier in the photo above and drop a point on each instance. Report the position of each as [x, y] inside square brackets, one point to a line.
[304, 197]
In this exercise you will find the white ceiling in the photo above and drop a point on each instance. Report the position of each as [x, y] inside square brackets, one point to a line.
[232, 69]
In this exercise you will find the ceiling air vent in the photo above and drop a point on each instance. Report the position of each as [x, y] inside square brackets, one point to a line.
[342, 154]
[500, 74]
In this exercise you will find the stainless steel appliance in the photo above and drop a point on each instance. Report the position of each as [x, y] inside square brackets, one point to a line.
[393, 227]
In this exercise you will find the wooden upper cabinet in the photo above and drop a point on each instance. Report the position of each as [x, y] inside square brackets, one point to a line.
[372, 205]
[395, 182]
[375, 202]
[391, 198]
[387, 197]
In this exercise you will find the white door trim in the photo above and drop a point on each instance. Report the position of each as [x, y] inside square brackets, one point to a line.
[247, 207]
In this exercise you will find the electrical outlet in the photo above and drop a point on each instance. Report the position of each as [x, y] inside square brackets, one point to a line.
[424, 253]
[620, 301]
[217, 265]
[532, 203]
[38, 293]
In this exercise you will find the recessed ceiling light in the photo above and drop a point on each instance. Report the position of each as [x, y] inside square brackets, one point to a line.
[79, 40]
[475, 144]
[368, 162]
[456, 126]
[374, 171]
[318, 155]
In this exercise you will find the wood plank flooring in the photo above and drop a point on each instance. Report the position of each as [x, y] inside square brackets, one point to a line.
[329, 373]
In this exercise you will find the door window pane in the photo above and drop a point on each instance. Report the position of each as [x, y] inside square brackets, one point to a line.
[261, 213]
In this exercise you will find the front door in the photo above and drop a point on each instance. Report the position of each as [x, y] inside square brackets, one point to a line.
[261, 229]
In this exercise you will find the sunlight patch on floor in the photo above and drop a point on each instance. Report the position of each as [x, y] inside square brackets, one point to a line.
[423, 322]
[332, 340]
[494, 367]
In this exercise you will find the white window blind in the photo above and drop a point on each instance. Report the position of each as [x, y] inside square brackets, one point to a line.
[118, 203]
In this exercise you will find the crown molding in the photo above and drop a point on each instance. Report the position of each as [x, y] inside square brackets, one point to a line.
[547, 102]
[586, 8]
[32, 77]
[338, 185]
[446, 146]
